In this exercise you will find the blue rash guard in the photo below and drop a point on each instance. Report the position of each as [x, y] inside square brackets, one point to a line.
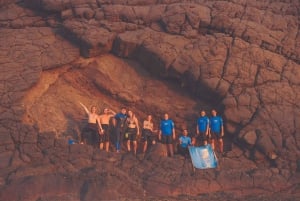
[215, 124]
[120, 117]
[202, 123]
[166, 127]
[185, 141]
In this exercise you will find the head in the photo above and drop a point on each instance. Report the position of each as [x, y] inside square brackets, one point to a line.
[149, 117]
[105, 110]
[166, 116]
[185, 132]
[93, 109]
[130, 113]
[202, 113]
[214, 112]
[123, 110]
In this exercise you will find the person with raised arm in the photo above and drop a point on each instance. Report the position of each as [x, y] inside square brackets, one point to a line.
[94, 127]
[104, 121]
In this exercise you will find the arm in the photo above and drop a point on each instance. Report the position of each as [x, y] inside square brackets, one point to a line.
[159, 135]
[207, 128]
[99, 124]
[180, 141]
[152, 127]
[112, 112]
[190, 142]
[222, 128]
[174, 136]
[85, 108]
[173, 131]
[137, 126]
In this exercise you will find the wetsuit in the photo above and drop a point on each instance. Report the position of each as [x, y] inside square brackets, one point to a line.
[120, 128]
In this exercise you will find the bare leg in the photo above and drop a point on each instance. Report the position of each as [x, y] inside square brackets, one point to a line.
[221, 145]
[145, 146]
[101, 146]
[134, 147]
[213, 144]
[107, 146]
[170, 149]
[128, 145]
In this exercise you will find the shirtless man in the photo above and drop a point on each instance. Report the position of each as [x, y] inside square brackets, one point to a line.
[94, 125]
[104, 121]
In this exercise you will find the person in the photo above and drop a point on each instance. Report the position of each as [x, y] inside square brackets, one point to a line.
[104, 121]
[216, 130]
[147, 133]
[120, 128]
[113, 131]
[202, 129]
[167, 133]
[132, 131]
[93, 127]
[184, 142]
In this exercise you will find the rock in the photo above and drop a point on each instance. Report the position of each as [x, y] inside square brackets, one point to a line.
[153, 57]
[264, 143]
[250, 137]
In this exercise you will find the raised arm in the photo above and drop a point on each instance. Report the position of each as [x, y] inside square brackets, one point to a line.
[113, 113]
[84, 107]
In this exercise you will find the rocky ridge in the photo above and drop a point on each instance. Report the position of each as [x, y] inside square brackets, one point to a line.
[239, 56]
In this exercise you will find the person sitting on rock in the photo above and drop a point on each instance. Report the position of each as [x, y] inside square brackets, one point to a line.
[202, 129]
[216, 131]
[184, 142]
[147, 133]
[104, 121]
[93, 127]
[132, 131]
[167, 133]
[120, 128]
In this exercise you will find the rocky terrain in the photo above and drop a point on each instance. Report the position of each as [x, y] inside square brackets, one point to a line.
[241, 57]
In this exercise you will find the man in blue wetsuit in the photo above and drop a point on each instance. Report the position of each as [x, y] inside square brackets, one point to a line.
[167, 133]
[216, 130]
[202, 129]
[120, 128]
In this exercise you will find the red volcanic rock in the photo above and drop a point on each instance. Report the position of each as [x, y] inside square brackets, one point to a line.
[241, 57]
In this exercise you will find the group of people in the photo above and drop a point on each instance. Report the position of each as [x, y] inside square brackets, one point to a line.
[208, 130]
[116, 127]
[124, 126]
